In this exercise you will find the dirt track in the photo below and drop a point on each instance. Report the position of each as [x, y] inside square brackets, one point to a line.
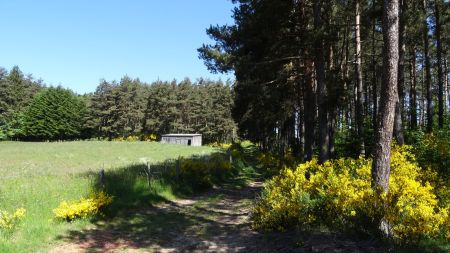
[216, 221]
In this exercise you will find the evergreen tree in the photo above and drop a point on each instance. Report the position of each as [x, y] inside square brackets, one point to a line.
[54, 114]
[16, 93]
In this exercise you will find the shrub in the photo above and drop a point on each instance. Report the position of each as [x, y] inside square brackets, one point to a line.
[130, 138]
[338, 194]
[150, 137]
[200, 172]
[271, 164]
[82, 208]
[133, 138]
[219, 145]
[433, 155]
[9, 222]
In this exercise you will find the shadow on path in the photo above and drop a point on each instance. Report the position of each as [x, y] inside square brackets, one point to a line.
[216, 221]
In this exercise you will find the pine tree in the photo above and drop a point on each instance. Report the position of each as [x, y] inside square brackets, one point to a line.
[54, 114]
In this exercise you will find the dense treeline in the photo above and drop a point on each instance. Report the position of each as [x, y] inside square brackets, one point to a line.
[131, 107]
[309, 73]
[31, 111]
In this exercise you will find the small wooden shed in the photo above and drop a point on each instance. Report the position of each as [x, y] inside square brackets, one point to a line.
[183, 139]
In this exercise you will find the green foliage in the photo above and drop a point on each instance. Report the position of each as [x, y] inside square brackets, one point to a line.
[16, 93]
[433, 152]
[54, 114]
[433, 155]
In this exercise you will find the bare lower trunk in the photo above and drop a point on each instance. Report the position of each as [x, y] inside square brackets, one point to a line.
[333, 97]
[447, 92]
[388, 96]
[310, 109]
[413, 92]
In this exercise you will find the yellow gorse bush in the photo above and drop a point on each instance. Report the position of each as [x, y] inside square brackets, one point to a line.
[219, 145]
[9, 221]
[338, 194]
[133, 138]
[199, 172]
[69, 210]
[150, 137]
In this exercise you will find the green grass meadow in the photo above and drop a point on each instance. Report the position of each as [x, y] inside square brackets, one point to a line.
[39, 175]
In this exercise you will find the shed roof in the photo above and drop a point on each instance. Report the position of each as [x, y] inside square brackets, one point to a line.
[180, 135]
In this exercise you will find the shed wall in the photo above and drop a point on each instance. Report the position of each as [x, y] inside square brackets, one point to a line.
[183, 140]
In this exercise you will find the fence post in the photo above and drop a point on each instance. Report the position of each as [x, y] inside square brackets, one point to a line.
[148, 173]
[102, 178]
[177, 169]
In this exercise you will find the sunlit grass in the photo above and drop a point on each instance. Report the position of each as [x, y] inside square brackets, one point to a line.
[38, 176]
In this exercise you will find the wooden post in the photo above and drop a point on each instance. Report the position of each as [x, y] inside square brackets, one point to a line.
[177, 169]
[102, 178]
[148, 173]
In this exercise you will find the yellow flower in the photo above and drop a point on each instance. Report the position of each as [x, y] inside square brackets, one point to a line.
[9, 222]
[83, 207]
[339, 189]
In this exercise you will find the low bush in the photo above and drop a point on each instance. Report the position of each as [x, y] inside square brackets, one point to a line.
[271, 164]
[202, 172]
[433, 154]
[132, 138]
[338, 194]
[219, 145]
[85, 207]
[10, 221]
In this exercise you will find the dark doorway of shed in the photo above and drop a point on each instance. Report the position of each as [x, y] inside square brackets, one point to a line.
[189, 142]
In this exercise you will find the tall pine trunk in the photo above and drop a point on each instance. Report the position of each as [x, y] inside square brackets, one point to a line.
[359, 82]
[413, 91]
[439, 65]
[333, 97]
[398, 123]
[309, 105]
[427, 71]
[388, 96]
[374, 70]
[309, 95]
[319, 63]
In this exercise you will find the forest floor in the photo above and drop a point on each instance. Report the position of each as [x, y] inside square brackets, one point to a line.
[215, 221]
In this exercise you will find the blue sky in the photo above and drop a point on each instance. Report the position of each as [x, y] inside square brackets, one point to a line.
[75, 43]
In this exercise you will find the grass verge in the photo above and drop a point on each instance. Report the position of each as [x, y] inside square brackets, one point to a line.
[38, 176]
